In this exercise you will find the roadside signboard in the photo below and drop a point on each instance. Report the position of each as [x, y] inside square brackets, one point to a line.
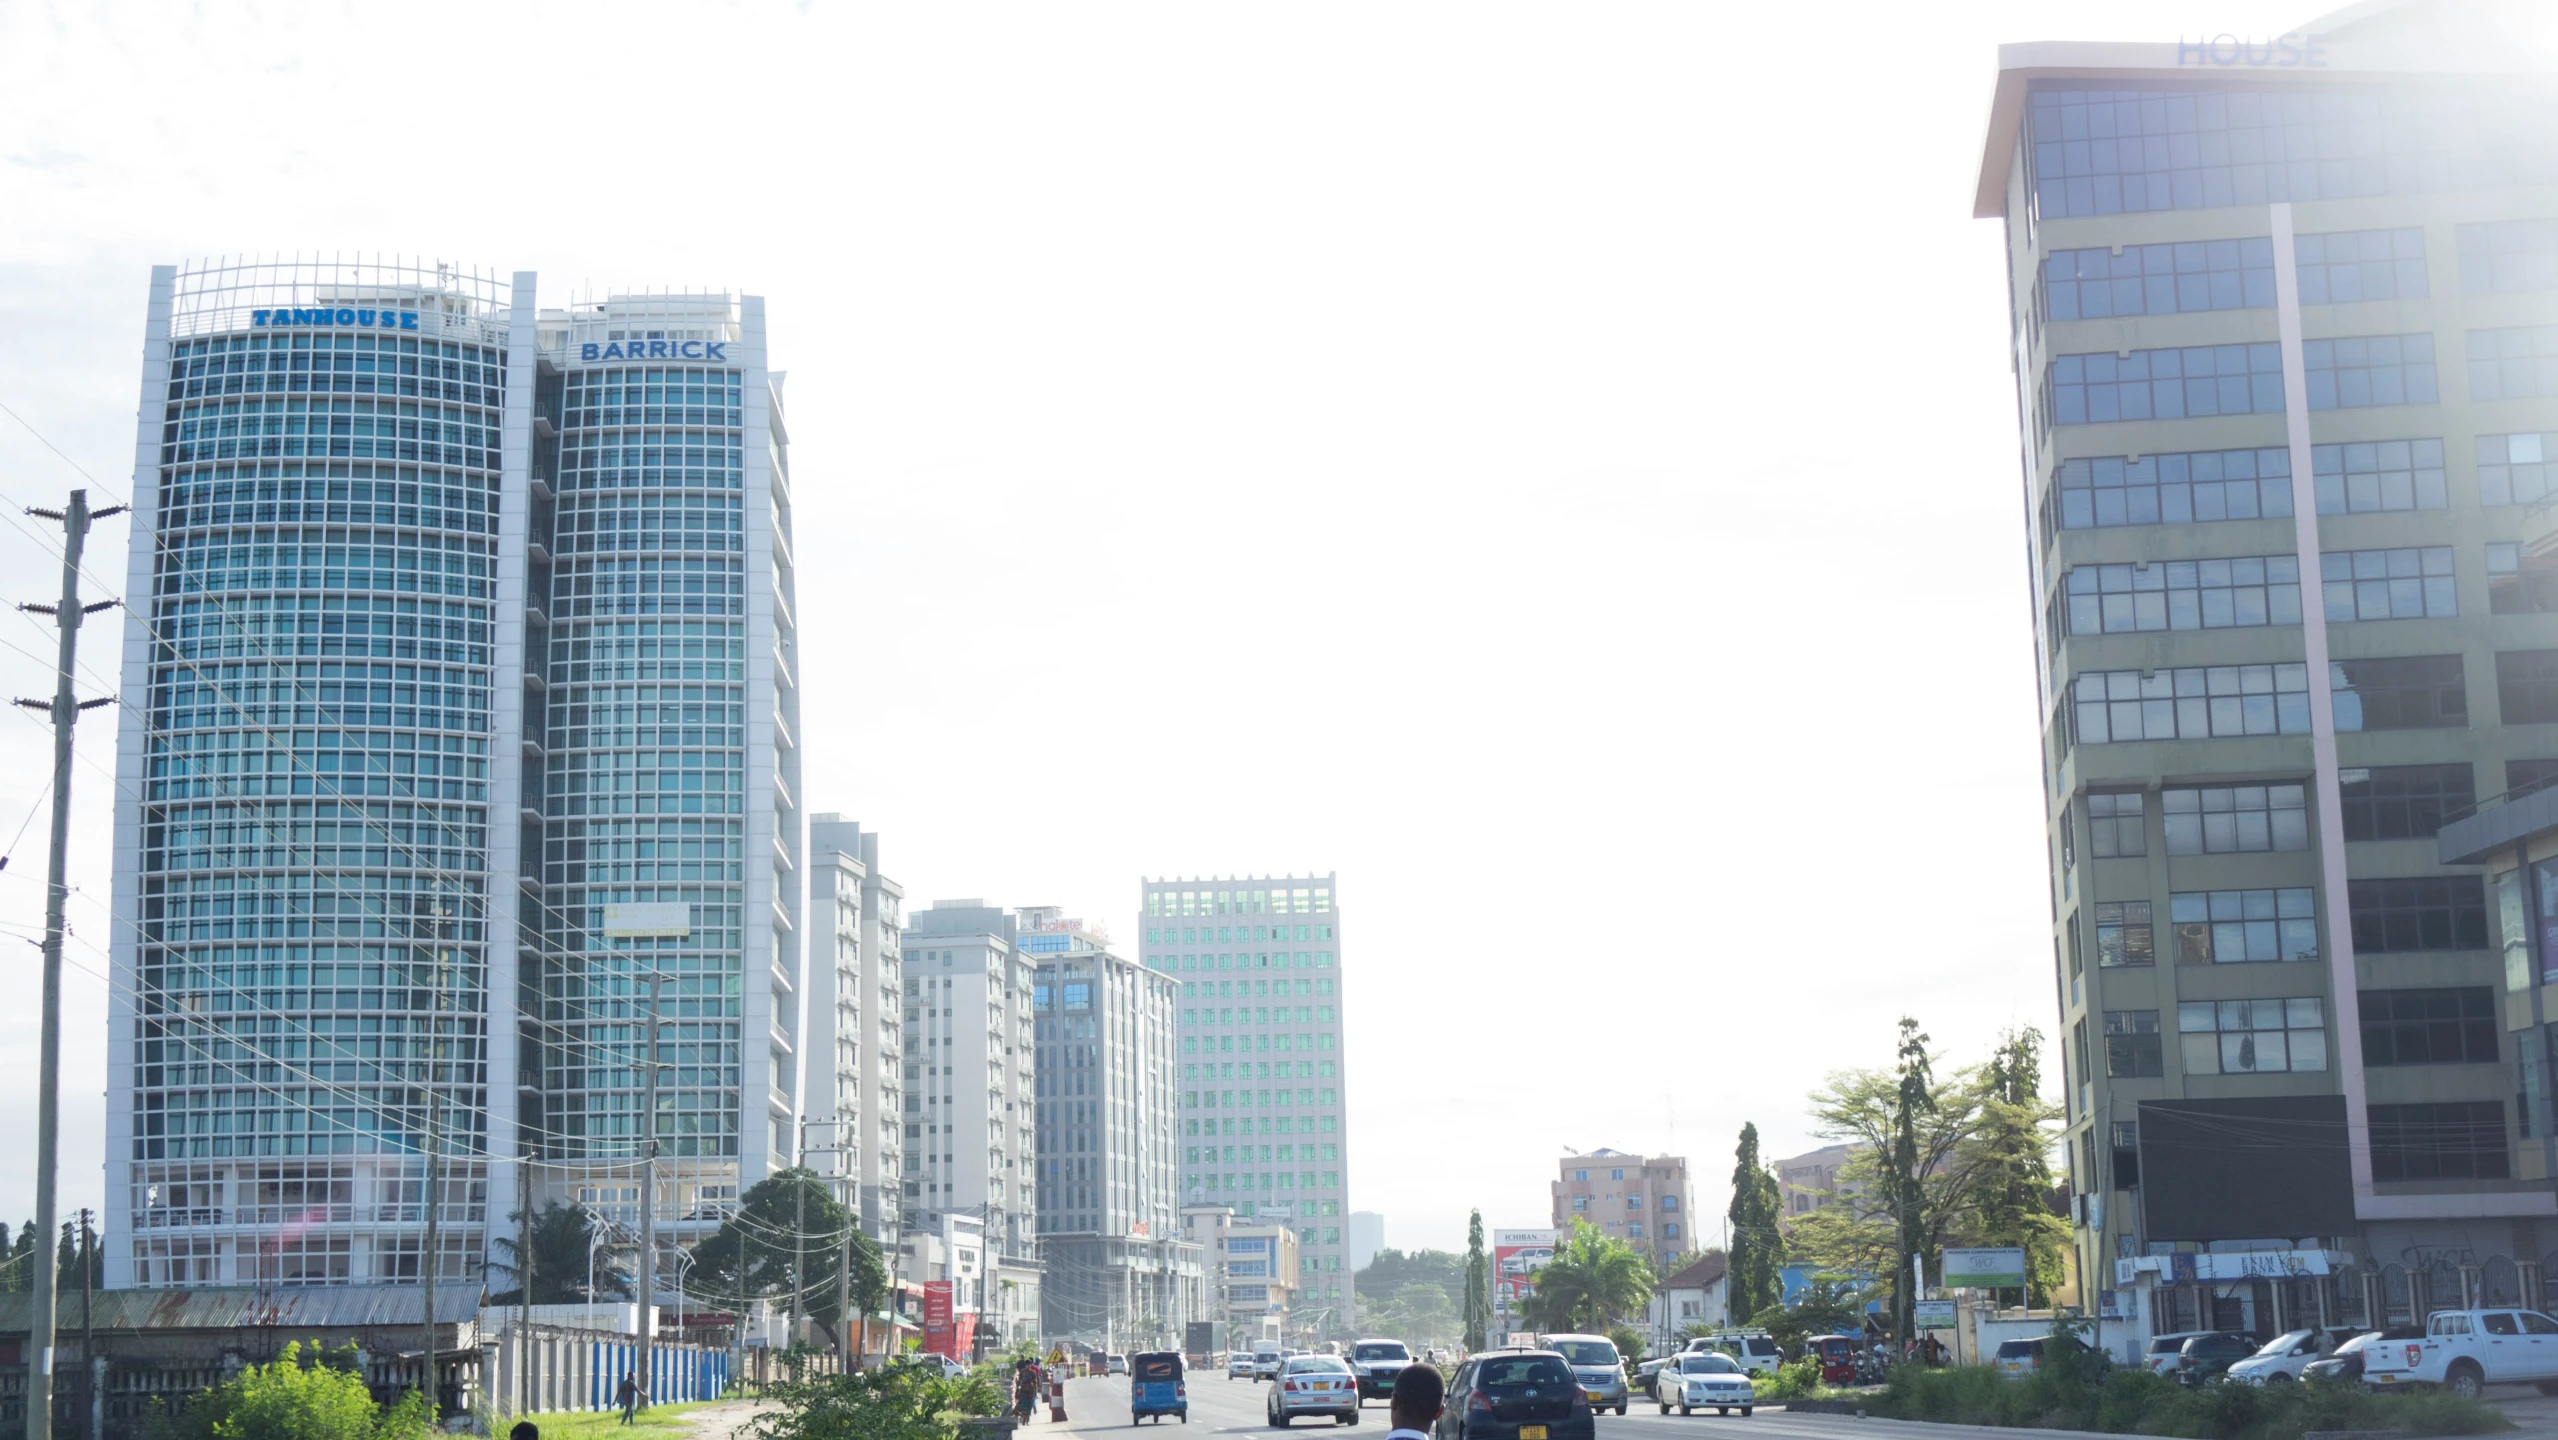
[2002, 1268]
[1934, 1314]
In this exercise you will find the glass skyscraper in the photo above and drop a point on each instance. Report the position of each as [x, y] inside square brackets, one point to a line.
[460, 669]
[1264, 1072]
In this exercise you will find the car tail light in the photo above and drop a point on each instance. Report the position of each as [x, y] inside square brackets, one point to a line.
[1181, 1392]
[1479, 1403]
[2413, 1351]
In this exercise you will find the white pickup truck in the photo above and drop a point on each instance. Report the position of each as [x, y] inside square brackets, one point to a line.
[2462, 1350]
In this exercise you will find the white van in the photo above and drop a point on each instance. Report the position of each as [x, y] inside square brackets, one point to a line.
[1753, 1348]
[1266, 1355]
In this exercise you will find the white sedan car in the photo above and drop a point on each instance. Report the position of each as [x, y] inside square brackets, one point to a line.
[1314, 1385]
[1694, 1381]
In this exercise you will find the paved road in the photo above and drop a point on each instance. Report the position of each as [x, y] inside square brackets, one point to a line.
[1225, 1406]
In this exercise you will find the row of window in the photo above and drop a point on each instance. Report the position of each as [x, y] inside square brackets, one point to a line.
[2378, 802]
[1311, 899]
[2342, 374]
[2446, 1026]
[2408, 583]
[2198, 275]
[2389, 915]
[2105, 492]
[1259, 1015]
[2398, 692]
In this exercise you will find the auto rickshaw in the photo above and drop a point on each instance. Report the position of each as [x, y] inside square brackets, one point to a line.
[1838, 1359]
[1155, 1387]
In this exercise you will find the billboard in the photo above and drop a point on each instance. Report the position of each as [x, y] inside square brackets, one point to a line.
[945, 1332]
[2000, 1268]
[2240, 1168]
[1517, 1255]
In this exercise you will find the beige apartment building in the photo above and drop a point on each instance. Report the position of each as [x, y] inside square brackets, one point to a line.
[1647, 1203]
[1810, 1181]
[2285, 332]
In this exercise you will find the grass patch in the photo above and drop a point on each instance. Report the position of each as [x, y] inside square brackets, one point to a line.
[2124, 1402]
[657, 1422]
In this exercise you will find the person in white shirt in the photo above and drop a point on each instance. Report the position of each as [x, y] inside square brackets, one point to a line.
[1419, 1395]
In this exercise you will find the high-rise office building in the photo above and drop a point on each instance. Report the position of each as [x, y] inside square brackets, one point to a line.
[460, 664]
[856, 991]
[970, 1106]
[1117, 1269]
[1264, 1072]
[2286, 356]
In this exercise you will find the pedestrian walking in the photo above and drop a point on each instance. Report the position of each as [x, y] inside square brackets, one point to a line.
[628, 1397]
[1419, 1393]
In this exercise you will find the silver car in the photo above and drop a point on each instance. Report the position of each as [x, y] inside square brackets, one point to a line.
[1695, 1380]
[1314, 1385]
[1596, 1365]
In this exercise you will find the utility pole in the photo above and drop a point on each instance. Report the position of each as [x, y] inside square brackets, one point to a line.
[799, 1230]
[65, 708]
[523, 1277]
[648, 1190]
[88, 1331]
[427, 1262]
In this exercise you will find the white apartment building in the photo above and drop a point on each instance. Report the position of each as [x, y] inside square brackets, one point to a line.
[969, 1063]
[854, 1039]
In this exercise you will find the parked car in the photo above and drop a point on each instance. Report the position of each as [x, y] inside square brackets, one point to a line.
[1515, 1394]
[1647, 1373]
[2161, 1356]
[2281, 1359]
[1314, 1385]
[2345, 1362]
[2206, 1358]
[2016, 1359]
[2463, 1350]
[1596, 1365]
[1377, 1363]
[1705, 1378]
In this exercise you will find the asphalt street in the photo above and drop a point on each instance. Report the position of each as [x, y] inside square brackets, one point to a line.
[1225, 1406]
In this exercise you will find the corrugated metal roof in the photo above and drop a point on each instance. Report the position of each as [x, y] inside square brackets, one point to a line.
[319, 1307]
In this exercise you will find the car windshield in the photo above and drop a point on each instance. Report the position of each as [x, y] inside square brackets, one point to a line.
[1317, 1365]
[2167, 1344]
[1523, 1371]
[2282, 1344]
[1707, 1365]
[1382, 1352]
[1587, 1352]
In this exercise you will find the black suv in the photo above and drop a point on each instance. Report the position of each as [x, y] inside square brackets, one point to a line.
[1515, 1394]
[2206, 1358]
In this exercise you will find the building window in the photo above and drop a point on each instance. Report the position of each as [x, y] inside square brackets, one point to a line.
[2419, 913]
[1616, 1174]
[2514, 588]
[2235, 819]
[1670, 1202]
[2527, 686]
[2400, 692]
[2127, 1155]
[2408, 584]
[1669, 1229]
[2453, 1025]
[2243, 927]
[1634, 1202]
[2350, 265]
[2367, 370]
[2512, 469]
[2123, 933]
[2169, 279]
[1581, 1202]
[2403, 802]
[2132, 1047]
[2184, 595]
[2193, 704]
[2525, 777]
[2116, 826]
[2508, 257]
[2176, 489]
[2181, 384]
[2446, 1140]
[2252, 1037]
[2377, 476]
[2512, 363]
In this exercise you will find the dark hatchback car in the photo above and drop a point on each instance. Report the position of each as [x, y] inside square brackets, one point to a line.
[1518, 1394]
[2346, 1363]
[2206, 1358]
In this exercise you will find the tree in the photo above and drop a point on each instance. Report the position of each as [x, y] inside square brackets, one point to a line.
[1629, 1342]
[1915, 1098]
[2007, 1164]
[753, 1253]
[1478, 1301]
[562, 1236]
[1593, 1280]
[1828, 1305]
[302, 1396]
[1758, 1246]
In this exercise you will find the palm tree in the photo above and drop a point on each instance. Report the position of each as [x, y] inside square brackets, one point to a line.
[561, 1241]
[1592, 1280]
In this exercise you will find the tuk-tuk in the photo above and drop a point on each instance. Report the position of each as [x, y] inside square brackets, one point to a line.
[1838, 1359]
[1155, 1387]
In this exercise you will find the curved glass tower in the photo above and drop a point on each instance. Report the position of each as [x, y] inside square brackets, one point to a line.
[459, 692]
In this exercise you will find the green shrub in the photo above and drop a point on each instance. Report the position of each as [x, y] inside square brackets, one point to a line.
[313, 1395]
[1795, 1380]
[901, 1402]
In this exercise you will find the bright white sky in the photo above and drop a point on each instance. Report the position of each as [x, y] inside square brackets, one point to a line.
[1553, 465]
